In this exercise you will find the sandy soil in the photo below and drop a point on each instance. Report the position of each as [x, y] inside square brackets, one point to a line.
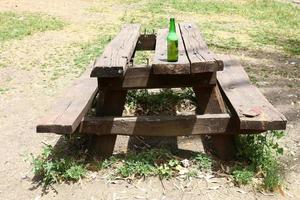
[30, 92]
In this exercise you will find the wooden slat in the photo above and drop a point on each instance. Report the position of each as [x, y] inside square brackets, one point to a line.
[142, 77]
[115, 57]
[252, 108]
[160, 64]
[202, 60]
[68, 111]
[156, 125]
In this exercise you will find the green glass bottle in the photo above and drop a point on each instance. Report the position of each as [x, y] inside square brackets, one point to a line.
[172, 41]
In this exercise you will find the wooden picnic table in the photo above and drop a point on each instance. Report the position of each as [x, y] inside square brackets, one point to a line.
[227, 103]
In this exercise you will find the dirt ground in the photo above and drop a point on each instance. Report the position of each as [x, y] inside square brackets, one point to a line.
[30, 93]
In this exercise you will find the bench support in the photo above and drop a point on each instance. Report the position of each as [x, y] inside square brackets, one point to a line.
[109, 103]
[210, 101]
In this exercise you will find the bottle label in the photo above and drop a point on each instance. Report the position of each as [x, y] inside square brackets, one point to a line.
[172, 51]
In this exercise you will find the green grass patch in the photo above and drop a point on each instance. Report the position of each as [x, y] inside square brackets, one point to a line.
[204, 162]
[261, 151]
[20, 25]
[90, 51]
[3, 90]
[70, 161]
[155, 162]
[277, 23]
[74, 59]
[254, 24]
[243, 176]
[63, 163]
[51, 167]
[165, 101]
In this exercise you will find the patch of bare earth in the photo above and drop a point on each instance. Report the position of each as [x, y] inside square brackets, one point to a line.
[29, 92]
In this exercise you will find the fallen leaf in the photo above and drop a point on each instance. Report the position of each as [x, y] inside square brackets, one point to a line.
[214, 187]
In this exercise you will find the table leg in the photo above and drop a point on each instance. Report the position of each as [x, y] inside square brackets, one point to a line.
[109, 103]
[209, 100]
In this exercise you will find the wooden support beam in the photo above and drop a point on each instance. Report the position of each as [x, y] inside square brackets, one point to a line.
[156, 125]
[142, 77]
[110, 103]
[209, 100]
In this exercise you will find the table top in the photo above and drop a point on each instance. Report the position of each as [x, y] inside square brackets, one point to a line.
[194, 56]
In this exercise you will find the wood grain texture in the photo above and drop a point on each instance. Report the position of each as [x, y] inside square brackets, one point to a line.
[202, 60]
[116, 55]
[68, 111]
[109, 103]
[209, 100]
[160, 64]
[252, 108]
[142, 77]
[156, 125]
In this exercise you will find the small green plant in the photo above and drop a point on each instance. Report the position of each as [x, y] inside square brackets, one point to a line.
[203, 162]
[75, 172]
[243, 176]
[147, 163]
[55, 165]
[262, 151]
[104, 164]
[17, 26]
[3, 90]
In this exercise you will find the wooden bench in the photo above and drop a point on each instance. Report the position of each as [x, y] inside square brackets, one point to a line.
[227, 102]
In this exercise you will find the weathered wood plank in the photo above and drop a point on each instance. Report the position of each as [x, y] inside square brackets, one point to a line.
[160, 64]
[142, 77]
[115, 57]
[109, 103]
[156, 125]
[209, 100]
[68, 111]
[202, 60]
[252, 108]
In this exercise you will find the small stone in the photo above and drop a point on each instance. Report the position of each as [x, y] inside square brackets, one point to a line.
[186, 163]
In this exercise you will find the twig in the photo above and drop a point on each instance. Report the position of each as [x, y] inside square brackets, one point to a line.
[163, 186]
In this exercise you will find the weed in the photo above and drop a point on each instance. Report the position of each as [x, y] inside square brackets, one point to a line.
[75, 172]
[17, 26]
[3, 90]
[55, 165]
[153, 162]
[243, 176]
[262, 150]
[105, 164]
[203, 162]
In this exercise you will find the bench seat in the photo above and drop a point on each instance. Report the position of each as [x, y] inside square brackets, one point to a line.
[67, 112]
[253, 110]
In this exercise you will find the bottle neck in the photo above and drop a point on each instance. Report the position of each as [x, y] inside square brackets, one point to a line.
[172, 25]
